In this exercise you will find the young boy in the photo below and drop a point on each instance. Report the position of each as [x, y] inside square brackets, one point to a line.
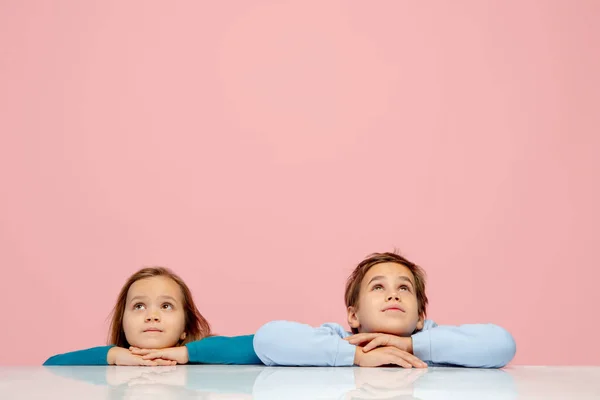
[386, 305]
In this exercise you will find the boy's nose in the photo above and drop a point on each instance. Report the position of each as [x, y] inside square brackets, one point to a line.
[393, 296]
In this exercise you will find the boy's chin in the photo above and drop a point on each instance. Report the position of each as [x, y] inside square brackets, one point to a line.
[392, 330]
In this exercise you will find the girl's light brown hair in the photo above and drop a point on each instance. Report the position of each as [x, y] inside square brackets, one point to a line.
[355, 279]
[196, 326]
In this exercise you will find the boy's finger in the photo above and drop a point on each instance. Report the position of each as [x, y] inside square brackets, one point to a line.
[395, 359]
[417, 362]
[373, 344]
[361, 337]
[368, 336]
[353, 336]
[414, 361]
[390, 357]
[407, 357]
[355, 340]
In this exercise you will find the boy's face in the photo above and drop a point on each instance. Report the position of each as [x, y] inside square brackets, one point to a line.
[387, 302]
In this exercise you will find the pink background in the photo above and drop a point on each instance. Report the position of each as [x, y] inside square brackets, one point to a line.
[262, 148]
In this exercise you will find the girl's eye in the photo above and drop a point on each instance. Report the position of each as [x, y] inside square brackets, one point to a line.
[404, 287]
[167, 306]
[377, 287]
[138, 306]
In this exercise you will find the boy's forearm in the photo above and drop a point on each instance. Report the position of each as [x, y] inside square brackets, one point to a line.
[295, 344]
[472, 345]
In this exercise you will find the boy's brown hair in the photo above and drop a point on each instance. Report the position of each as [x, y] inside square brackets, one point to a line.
[355, 279]
[196, 326]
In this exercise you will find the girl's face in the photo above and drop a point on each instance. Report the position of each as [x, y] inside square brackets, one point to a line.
[154, 316]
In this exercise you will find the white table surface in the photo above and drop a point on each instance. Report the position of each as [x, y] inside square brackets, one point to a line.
[258, 382]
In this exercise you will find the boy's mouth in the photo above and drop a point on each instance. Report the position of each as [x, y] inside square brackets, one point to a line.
[393, 308]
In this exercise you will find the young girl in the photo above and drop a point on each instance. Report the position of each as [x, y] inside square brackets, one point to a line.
[155, 322]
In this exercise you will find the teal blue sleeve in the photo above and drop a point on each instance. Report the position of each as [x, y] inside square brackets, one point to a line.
[470, 345]
[237, 350]
[93, 356]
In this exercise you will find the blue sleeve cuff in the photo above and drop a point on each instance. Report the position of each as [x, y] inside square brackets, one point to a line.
[422, 346]
[346, 353]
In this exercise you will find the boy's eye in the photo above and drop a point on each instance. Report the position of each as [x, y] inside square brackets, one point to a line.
[138, 306]
[377, 287]
[404, 287]
[167, 306]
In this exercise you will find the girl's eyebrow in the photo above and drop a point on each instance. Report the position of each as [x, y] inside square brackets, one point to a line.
[166, 296]
[138, 298]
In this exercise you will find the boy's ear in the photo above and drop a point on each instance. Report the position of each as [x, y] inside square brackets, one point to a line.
[421, 322]
[353, 318]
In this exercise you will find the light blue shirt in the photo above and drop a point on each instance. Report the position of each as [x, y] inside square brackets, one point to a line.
[472, 345]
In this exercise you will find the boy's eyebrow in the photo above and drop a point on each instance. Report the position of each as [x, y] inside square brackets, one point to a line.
[406, 278]
[402, 277]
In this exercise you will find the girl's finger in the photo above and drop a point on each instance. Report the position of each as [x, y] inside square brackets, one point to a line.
[160, 361]
[150, 356]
